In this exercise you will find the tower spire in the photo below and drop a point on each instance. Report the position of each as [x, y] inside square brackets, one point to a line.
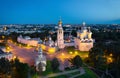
[84, 23]
[40, 51]
[60, 21]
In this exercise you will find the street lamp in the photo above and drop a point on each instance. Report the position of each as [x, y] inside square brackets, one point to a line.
[111, 55]
[63, 54]
[76, 52]
[71, 52]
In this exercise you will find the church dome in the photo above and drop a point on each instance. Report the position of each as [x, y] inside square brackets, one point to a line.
[50, 42]
[27, 37]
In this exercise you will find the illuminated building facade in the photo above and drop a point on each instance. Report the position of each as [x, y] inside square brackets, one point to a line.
[5, 55]
[84, 41]
[27, 40]
[60, 36]
[48, 45]
[40, 60]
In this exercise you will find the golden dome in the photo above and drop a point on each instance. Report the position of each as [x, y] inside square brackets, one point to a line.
[60, 22]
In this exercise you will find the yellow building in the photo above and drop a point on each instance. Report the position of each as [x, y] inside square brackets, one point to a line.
[84, 41]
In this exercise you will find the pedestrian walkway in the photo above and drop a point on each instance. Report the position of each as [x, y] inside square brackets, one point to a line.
[81, 70]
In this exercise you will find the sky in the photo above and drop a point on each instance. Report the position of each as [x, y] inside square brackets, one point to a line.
[49, 11]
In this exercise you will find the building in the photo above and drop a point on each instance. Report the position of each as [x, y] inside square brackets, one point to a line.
[50, 42]
[60, 36]
[47, 45]
[40, 61]
[84, 41]
[5, 55]
[27, 40]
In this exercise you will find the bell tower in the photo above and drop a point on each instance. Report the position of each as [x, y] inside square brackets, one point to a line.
[60, 35]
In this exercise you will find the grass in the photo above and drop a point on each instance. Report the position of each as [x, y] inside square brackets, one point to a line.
[67, 75]
[89, 73]
[82, 54]
[61, 76]
[49, 69]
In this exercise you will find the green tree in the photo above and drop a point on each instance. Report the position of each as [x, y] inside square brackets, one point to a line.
[55, 64]
[20, 70]
[5, 66]
[77, 61]
[96, 56]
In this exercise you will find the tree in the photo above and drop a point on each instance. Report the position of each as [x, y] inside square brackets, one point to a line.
[74, 33]
[20, 70]
[96, 56]
[55, 64]
[5, 66]
[77, 61]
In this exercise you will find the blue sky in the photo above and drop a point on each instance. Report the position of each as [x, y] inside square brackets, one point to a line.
[49, 11]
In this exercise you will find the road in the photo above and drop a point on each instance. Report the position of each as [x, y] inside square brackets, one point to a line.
[28, 55]
[25, 55]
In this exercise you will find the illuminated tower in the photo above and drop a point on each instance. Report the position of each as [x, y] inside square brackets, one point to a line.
[60, 35]
[40, 60]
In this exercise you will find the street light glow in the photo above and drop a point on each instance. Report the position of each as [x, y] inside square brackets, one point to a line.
[111, 55]
[63, 54]
[71, 52]
[76, 52]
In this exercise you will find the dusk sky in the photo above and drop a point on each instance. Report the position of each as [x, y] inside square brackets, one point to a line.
[49, 11]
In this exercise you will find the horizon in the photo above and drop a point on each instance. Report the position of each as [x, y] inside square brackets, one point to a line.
[48, 11]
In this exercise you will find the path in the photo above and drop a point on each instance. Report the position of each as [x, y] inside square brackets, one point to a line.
[81, 70]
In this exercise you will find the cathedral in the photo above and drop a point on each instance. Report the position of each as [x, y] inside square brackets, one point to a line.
[84, 41]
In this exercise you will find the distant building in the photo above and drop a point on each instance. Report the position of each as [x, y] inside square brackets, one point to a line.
[40, 60]
[5, 55]
[84, 41]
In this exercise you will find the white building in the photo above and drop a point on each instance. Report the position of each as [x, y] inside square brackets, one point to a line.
[47, 45]
[5, 55]
[50, 42]
[27, 40]
[60, 36]
[41, 59]
[84, 41]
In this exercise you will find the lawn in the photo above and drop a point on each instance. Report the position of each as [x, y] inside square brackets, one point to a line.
[61, 76]
[72, 50]
[49, 69]
[89, 73]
